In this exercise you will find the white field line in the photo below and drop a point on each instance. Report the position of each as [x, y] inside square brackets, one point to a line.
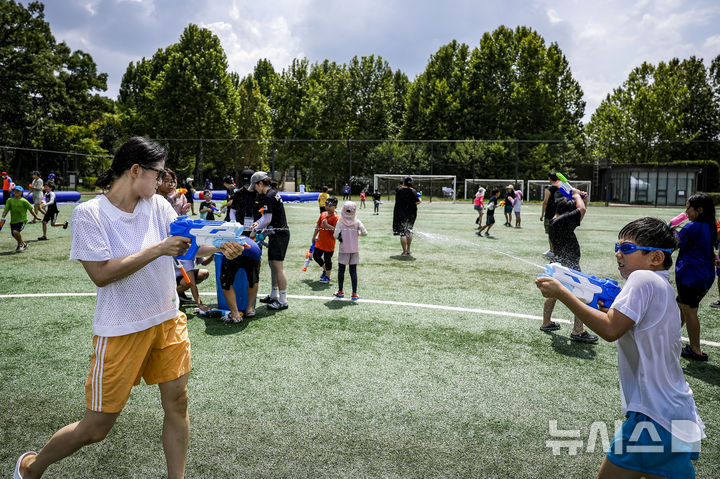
[364, 300]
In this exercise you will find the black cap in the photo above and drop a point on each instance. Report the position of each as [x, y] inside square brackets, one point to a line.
[246, 175]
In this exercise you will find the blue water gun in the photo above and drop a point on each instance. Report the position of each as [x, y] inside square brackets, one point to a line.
[564, 186]
[587, 288]
[207, 233]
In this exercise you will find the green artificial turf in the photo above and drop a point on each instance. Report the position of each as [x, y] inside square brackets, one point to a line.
[330, 388]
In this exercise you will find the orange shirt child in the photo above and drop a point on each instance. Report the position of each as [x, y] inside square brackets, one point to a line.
[325, 239]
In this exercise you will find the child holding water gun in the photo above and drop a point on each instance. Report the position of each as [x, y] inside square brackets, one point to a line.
[51, 210]
[324, 239]
[207, 207]
[18, 208]
[568, 215]
[694, 273]
[645, 321]
[122, 239]
[490, 216]
[347, 231]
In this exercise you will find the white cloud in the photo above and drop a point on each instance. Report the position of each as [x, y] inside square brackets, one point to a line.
[245, 41]
[553, 16]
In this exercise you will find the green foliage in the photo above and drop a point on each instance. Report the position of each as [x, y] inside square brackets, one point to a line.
[48, 90]
[659, 114]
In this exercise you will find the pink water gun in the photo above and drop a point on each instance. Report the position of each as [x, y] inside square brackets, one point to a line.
[677, 220]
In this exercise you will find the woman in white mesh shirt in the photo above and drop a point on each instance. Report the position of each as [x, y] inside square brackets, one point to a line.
[122, 240]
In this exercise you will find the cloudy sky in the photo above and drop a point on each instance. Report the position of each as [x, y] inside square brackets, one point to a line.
[603, 40]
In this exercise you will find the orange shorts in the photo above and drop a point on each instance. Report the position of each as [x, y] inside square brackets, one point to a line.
[158, 354]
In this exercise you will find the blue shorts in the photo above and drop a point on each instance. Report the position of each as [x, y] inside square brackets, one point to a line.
[666, 456]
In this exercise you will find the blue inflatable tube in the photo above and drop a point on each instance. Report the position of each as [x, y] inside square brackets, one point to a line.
[60, 197]
[287, 196]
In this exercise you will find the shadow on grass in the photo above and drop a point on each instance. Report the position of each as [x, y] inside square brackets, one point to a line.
[214, 326]
[575, 349]
[402, 258]
[339, 304]
[316, 285]
[703, 371]
[7, 253]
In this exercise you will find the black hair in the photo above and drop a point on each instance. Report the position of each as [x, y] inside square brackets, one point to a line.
[651, 232]
[408, 181]
[332, 200]
[564, 205]
[50, 184]
[136, 150]
[495, 192]
[325, 188]
[552, 176]
[705, 201]
[229, 179]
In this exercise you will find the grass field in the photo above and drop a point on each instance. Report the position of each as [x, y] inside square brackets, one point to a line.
[329, 388]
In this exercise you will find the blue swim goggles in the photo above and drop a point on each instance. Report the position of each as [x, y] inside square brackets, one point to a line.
[628, 248]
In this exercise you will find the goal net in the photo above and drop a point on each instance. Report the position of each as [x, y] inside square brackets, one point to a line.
[431, 186]
[490, 184]
[536, 188]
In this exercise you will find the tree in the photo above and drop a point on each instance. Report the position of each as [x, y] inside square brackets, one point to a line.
[185, 91]
[657, 114]
[46, 87]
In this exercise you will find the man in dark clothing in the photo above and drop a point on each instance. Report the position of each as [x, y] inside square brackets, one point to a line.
[273, 219]
[405, 213]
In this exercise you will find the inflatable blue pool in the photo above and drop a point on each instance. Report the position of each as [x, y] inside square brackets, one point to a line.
[60, 197]
[287, 196]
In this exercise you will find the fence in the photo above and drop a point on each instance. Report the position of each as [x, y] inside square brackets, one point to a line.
[332, 162]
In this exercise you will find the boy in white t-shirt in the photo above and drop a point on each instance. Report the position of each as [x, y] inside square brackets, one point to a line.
[122, 240]
[645, 321]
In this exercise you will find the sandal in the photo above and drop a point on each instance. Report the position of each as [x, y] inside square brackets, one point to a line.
[688, 353]
[584, 337]
[552, 327]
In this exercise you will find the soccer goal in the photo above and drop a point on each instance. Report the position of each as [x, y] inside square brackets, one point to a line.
[438, 186]
[536, 188]
[490, 184]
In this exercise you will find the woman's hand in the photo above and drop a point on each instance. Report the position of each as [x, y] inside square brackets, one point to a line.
[174, 245]
[186, 208]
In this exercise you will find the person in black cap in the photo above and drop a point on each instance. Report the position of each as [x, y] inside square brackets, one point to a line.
[242, 205]
[229, 184]
[404, 214]
[273, 218]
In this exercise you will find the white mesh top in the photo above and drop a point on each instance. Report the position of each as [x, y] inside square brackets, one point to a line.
[100, 232]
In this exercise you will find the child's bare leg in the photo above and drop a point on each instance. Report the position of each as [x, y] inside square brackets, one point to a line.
[548, 308]
[690, 318]
[252, 294]
[18, 237]
[578, 326]
[90, 429]
[44, 228]
[231, 300]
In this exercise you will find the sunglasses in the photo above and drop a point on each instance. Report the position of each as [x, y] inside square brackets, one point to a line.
[160, 172]
[627, 248]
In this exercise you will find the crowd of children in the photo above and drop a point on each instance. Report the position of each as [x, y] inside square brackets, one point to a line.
[645, 319]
